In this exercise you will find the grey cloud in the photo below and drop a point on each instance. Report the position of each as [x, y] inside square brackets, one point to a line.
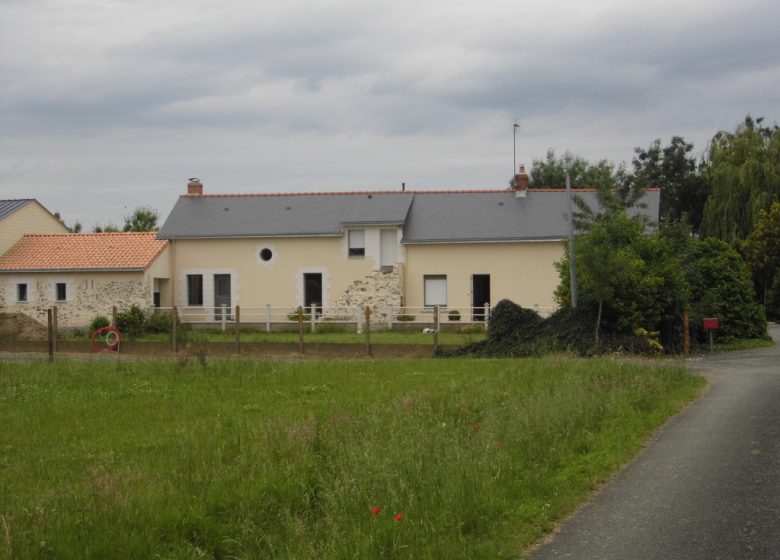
[396, 75]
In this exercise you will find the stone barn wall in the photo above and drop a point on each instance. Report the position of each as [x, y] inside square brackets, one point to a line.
[382, 290]
[87, 294]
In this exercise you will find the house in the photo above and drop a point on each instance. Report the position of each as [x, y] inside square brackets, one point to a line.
[84, 275]
[390, 250]
[18, 217]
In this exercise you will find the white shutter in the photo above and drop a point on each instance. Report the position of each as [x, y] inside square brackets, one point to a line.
[357, 243]
[435, 291]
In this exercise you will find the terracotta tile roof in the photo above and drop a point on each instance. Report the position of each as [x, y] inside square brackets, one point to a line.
[83, 251]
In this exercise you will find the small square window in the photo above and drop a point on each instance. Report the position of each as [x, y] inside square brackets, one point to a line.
[21, 292]
[357, 243]
[62, 291]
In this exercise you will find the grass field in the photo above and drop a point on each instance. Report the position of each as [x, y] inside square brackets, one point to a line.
[353, 459]
[344, 337]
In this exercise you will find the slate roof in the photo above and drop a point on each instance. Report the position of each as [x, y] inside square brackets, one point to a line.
[8, 207]
[83, 252]
[493, 216]
[286, 215]
[427, 216]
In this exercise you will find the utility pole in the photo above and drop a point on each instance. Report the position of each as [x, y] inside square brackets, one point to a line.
[514, 148]
[572, 259]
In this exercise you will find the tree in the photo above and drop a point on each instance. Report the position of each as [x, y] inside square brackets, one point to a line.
[762, 251]
[673, 170]
[632, 280]
[108, 228]
[613, 201]
[143, 218]
[76, 227]
[551, 172]
[743, 168]
[720, 286]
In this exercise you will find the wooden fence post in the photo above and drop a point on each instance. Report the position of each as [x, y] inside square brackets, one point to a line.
[686, 334]
[55, 328]
[238, 329]
[49, 322]
[223, 316]
[436, 330]
[313, 318]
[368, 329]
[267, 317]
[174, 327]
[300, 329]
[113, 316]
[487, 316]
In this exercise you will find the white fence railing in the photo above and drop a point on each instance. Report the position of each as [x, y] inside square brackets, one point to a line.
[270, 317]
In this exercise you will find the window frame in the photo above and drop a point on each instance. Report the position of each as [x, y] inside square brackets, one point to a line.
[433, 277]
[193, 301]
[26, 294]
[356, 251]
[64, 287]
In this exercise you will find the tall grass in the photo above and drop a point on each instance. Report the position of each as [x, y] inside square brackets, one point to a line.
[244, 459]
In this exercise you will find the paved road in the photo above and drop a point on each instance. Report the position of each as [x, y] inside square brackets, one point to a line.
[708, 486]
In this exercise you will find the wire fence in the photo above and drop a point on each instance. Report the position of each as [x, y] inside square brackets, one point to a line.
[177, 323]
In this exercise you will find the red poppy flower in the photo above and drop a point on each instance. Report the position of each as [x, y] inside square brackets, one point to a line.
[475, 426]
[399, 517]
[374, 511]
[463, 410]
[499, 443]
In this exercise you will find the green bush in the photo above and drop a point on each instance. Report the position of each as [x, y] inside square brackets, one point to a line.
[158, 321]
[98, 323]
[405, 318]
[131, 322]
[454, 315]
[294, 316]
[471, 329]
[509, 321]
[721, 287]
[514, 331]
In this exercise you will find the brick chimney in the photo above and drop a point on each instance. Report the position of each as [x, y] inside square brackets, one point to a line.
[521, 182]
[195, 187]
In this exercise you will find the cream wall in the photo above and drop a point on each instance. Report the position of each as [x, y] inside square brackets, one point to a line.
[522, 272]
[161, 269]
[278, 282]
[30, 218]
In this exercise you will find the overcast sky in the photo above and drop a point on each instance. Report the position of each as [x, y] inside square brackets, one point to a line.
[106, 105]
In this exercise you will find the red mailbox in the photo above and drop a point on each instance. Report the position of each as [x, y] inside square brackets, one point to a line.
[710, 324]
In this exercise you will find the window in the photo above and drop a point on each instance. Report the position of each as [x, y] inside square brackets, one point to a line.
[435, 291]
[61, 289]
[194, 289]
[357, 243]
[21, 292]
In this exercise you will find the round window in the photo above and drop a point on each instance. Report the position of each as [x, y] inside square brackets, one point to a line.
[266, 254]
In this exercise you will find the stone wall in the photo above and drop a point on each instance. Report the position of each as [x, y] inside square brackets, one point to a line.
[88, 295]
[381, 290]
